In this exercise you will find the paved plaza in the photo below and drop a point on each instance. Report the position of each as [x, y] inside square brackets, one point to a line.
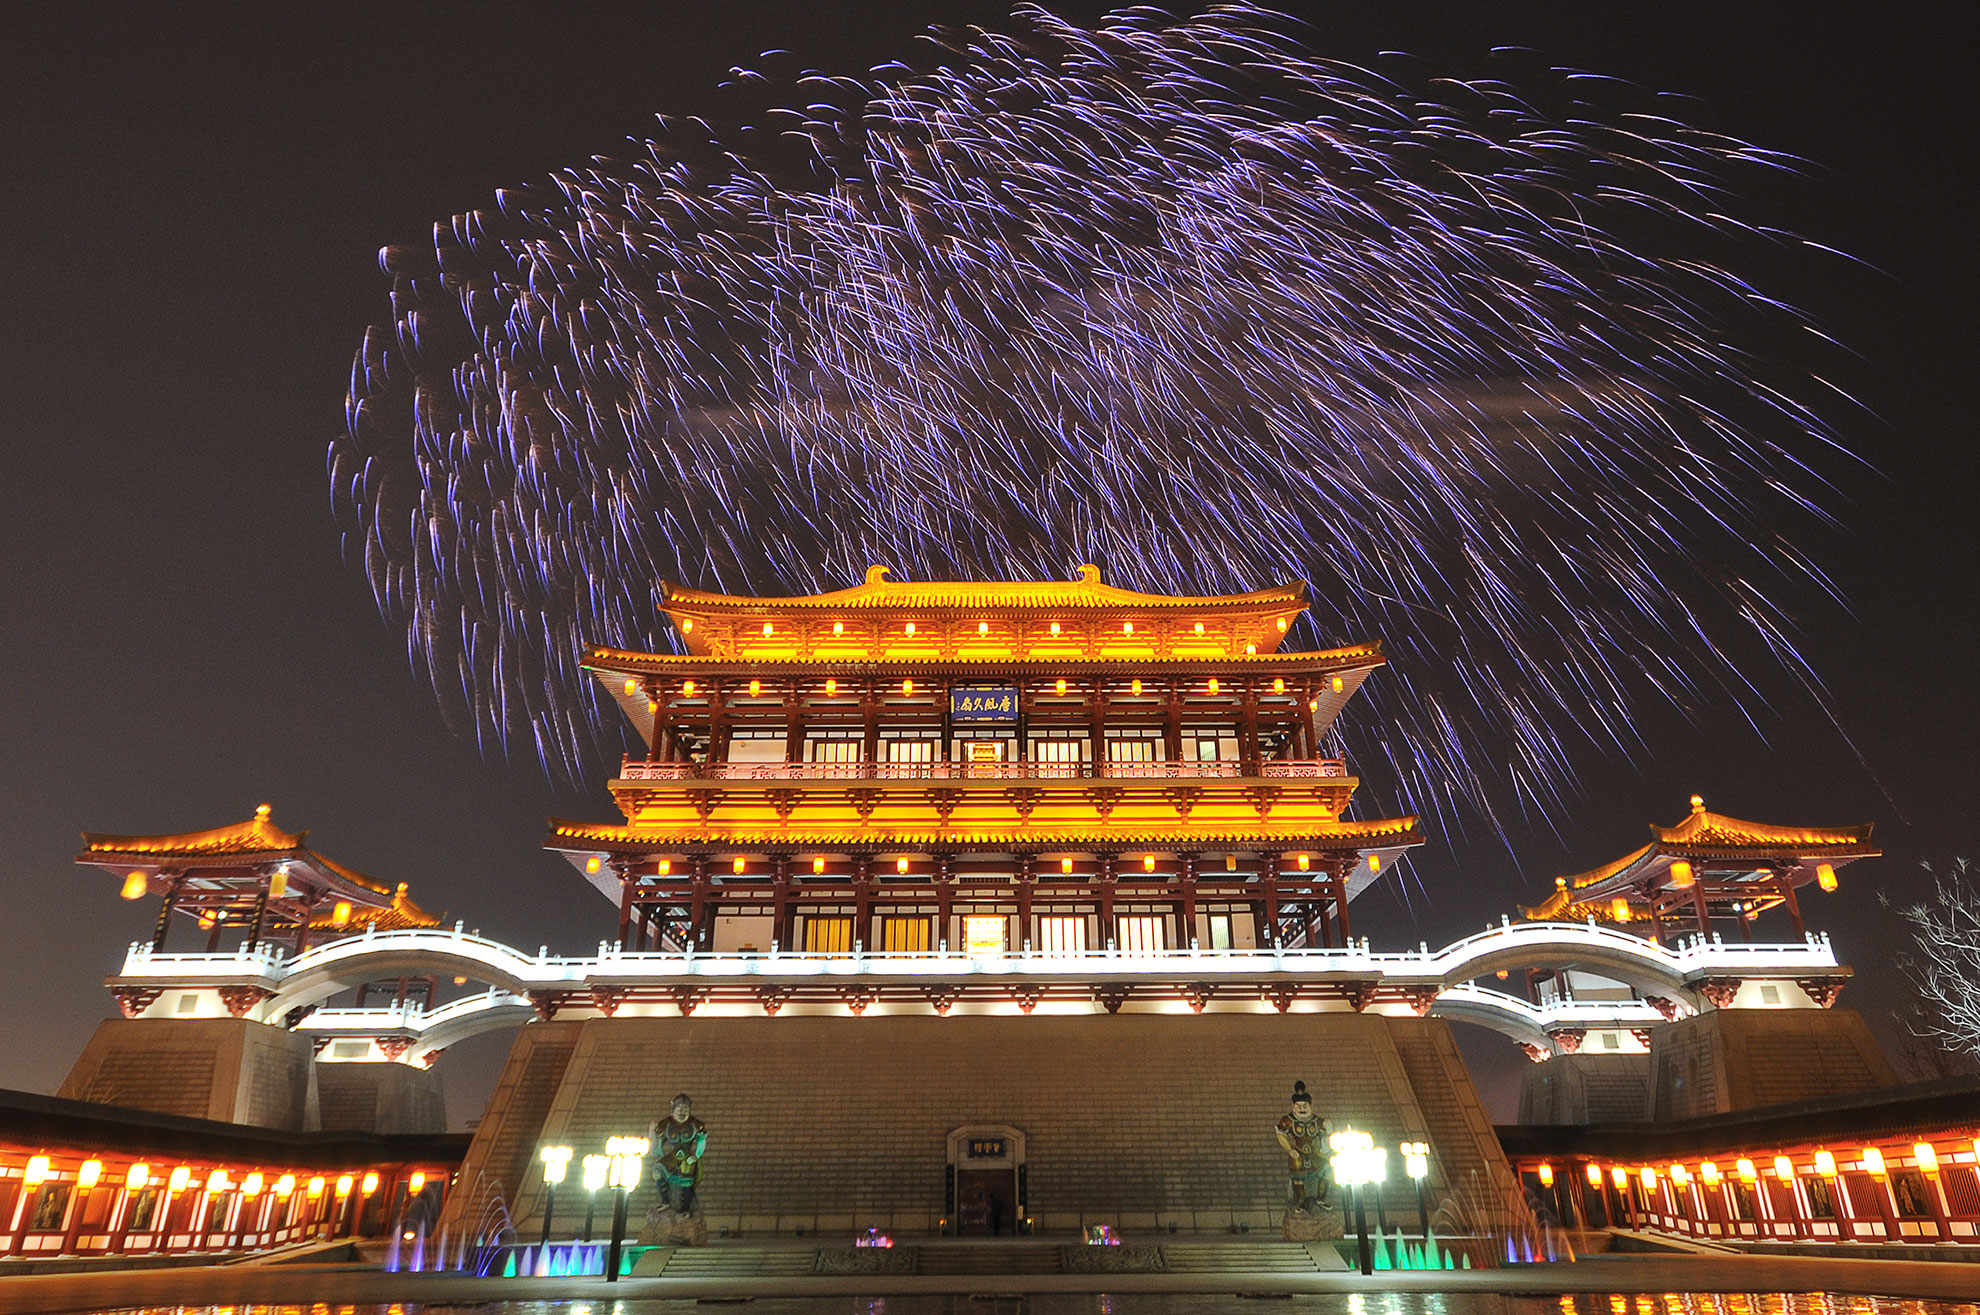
[1598, 1285]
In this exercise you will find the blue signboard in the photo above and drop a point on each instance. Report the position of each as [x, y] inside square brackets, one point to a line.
[983, 704]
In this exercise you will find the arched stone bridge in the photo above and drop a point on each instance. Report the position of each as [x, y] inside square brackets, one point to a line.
[268, 986]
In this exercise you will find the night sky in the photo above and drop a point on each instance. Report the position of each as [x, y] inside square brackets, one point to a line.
[194, 201]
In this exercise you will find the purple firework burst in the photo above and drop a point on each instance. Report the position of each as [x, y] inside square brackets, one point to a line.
[1177, 297]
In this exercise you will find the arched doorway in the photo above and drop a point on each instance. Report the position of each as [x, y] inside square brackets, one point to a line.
[987, 1186]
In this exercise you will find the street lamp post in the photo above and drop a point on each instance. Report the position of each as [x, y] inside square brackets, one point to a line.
[596, 1170]
[627, 1155]
[1416, 1163]
[556, 1159]
[1357, 1161]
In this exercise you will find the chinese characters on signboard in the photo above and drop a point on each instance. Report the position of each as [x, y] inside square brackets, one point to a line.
[983, 704]
[986, 1148]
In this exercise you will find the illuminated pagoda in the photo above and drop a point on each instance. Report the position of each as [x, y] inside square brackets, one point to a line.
[203, 1033]
[252, 881]
[1707, 868]
[1010, 768]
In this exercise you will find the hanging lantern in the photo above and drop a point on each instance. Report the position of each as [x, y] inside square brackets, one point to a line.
[1278, 684]
[1928, 1159]
[1127, 627]
[1055, 628]
[1682, 877]
[817, 867]
[1747, 1173]
[755, 688]
[1059, 686]
[1825, 876]
[831, 687]
[1212, 686]
[907, 687]
[1825, 1164]
[1305, 862]
[838, 627]
[1546, 1175]
[910, 629]
[1594, 1175]
[1148, 863]
[982, 627]
[135, 886]
[1065, 865]
[687, 689]
[1784, 1168]
[1134, 687]
[632, 687]
[739, 865]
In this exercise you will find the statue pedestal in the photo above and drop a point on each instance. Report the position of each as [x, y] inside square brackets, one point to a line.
[665, 1227]
[1323, 1225]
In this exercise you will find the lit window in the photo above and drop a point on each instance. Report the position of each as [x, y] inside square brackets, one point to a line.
[828, 935]
[1140, 934]
[983, 936]
[1062, 937]
[904, 935]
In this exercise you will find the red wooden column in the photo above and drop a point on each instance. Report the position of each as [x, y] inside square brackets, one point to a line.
[656, 748]
[698, 903]
[869, 711]
[793, 723]
[1186, 904]
[1027, 874]
[718, 723]
[780, 904]
[165, 912]
[1172, 724]
[1097, 726]
[627, 885]
[1785, 884]
[1270, 862]
[1104, 881]
[863, 900]
[1340, 886]
[945, 894]
[1248, 754]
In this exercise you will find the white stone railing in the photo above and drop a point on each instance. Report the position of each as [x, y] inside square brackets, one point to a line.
[636, 769]
[325, 968]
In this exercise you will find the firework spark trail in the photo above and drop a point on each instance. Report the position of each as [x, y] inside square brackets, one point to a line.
[1179, 298]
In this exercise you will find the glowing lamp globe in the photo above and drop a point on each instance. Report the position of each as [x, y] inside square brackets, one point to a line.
[135, 886]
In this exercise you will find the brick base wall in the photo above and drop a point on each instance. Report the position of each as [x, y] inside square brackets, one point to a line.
[203, 1068]
[380, 1097]
[1736, 1059]
[1590, 1088]
[832, 1124]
